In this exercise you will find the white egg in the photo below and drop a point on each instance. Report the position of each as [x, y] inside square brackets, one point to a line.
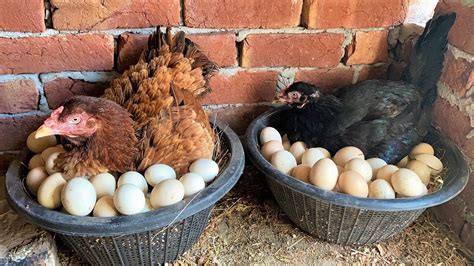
[407, 183]
[78, 196]
[34, 179]
[104, 184]
[270, 148]
[38, 145]
[134, 178]
[206, 168]
[105, 207]
[361, 167]
[311, 156]
[297, 149]
[48, 151]
[193, 183]
[381, 189]
[326, 153]
[269, 133]
[129, 199]
[376, 164]
[35, 161]
[324, 174]
[159, 172]
[167, 193]
[284, 161]
[49, 192]
[148, 206]
[51, 162]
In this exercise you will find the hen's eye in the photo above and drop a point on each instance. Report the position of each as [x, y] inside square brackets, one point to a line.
[293, 95]
[75, 120]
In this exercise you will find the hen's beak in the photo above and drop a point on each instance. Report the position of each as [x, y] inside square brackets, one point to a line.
[44, 131]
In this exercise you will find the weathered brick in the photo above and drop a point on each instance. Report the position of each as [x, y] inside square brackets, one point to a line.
[58, 53]
[219, 47]
[458, 74]
[467, 195]
[15, 130]
[239, 118]
[451, 214]
[462, 33]
[22, 15]
[323, 14]
[18, 96]
[299, 50]
[368, 48]
[467, 235]
[242, 13]
[111, 14]
[327, 79]
[5, 160]
[242, 87]
[370, 72]
[58, 90]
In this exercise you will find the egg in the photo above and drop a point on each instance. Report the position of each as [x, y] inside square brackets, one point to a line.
[286, 145]
[50, 163]
[422, 148]
[381, 189]
[346, 154]
[269, 133]
[324, 174]
[159, 172]
[129, 199]
[167, 193]
[285, 137]
[403, 162]
[270, 148]
[424, 191]
[284, 161]
[421, 170]
[386, 172]
[105, 207]
[192, 183]
[35, 161]
[376, 164]
[104, 184]
[353, 184]
[38, 145]
[148, 206]
[340, 169]
[297, 149]
[311, 156]
[301, 172]
[361, 167]
[406, 183]
[34, 179]
[48, 151]
[78, 196]
[325, 152]
[49, 192]
[134, 178]
[435, 164]
[206, 168]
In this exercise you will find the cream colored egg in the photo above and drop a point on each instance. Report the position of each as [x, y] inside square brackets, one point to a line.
[298, 149]
[105, 207]
[421, 170]
[159, 172]
[386, 172]
[286, 145]
[104, 184]
[192, 183]
[346, 154]
[129, 199]
[340, 169]
[435, 164]
[48, 151]
[403, 162]
[422, 148]
[381, 189]
[311, 156]
[35, 161]
[134, 178]
[424, 191]
[49, 192]
[376, 164]
[167, 193]
[206, 168]
[326, 153]
[353, 184]
[148, 206]
[406, 183]
[301, 172]
[269, 133]
[270, 148]
[284, 161]
[50, 163]
[38, 145]
[78, 196]
[324, 174]
[34, 179]
[361, 167]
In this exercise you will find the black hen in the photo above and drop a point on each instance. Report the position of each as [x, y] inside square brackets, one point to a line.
[383, 118]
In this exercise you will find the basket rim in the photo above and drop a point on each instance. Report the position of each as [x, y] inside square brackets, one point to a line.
[62, 223]
[446, 193]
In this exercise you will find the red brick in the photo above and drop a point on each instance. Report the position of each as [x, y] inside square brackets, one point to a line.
[111, 14]
[239, 118]
[458, 74]
[299, 50]
[18, 96]
[58, 90]
[58, 53]
[368, 48]
[22, 15]
[323, 14]
[220, 47]
[242, 13]
[327, 79]
[242, 87]
[15, 130]
[462, 33]
[370, 72]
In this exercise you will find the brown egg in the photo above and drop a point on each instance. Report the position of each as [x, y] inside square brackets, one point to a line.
[326, 153]
[406, 183]
[286, 145]
[301, 172]
[361, 167]
[381, 189]
[38, 145]
[422, 148]
[270, 147]
[297, 149]
[435, 164]
[324, 174]
[386, 172]
[35, 177]
[311, 156]
[353, 184]
[421, 169]
[36, 161]
[403, 162]
[48, 151]
[346, 154]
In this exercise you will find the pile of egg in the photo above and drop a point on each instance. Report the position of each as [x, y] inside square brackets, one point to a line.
[102, 194]
[348, 171]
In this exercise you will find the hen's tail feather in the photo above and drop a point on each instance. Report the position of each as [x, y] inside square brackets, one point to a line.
[427, 58]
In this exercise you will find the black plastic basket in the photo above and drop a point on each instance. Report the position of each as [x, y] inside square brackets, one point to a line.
[344, 219]
[143, 239]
